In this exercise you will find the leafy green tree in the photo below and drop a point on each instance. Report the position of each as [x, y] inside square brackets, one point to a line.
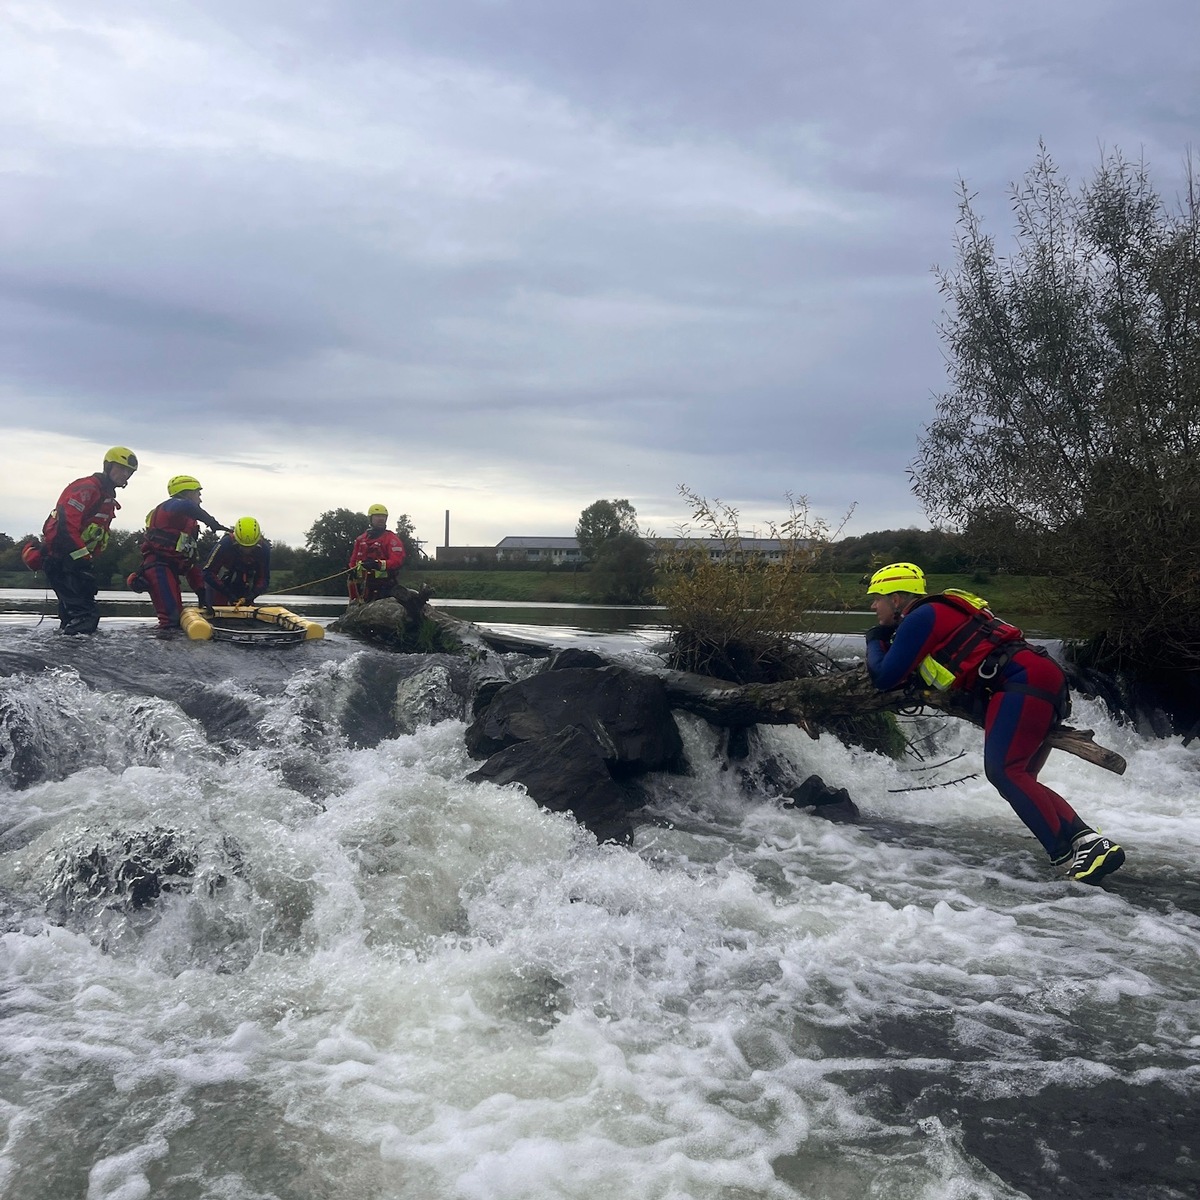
[1071, 427]
[283, 556]
[939, 551]
[407, 533]
[601, 521]
[10, 555]
[623, 572]
[331, 536]
[122, 556]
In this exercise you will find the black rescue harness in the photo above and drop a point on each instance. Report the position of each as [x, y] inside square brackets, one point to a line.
[975, 655]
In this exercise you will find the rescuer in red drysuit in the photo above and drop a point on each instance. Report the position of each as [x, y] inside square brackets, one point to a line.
[952, 640]
[169, 549]
[376, 557]
[74, 534]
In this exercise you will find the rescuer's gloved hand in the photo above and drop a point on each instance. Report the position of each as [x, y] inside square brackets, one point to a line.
[880, 633]
[372, 564]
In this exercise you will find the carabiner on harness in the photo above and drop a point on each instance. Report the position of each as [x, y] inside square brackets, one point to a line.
[997, 661]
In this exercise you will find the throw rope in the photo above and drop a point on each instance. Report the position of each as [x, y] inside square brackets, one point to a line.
[311, 583]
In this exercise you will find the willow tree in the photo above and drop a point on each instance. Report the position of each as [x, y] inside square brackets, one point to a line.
[1069, 435]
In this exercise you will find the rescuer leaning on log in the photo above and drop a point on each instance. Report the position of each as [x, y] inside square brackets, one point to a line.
[951, 640]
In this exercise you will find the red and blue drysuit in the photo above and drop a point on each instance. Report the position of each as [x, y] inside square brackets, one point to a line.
[385, 551]
[73, 534]
[235, 573]
[1020, 702]
[168, 552]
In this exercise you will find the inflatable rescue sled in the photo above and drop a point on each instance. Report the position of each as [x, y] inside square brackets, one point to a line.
[253, 623]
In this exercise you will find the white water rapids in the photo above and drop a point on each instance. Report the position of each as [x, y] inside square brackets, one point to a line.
[373, 979]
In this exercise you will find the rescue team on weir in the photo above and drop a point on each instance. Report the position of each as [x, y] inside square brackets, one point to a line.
[236, 572]
[947, 640]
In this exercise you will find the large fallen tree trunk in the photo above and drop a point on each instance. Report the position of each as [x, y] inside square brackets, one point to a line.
[805, 702]
[819, 698]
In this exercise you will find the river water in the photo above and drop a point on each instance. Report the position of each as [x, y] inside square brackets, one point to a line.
[371, 978]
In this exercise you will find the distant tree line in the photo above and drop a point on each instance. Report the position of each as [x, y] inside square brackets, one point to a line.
[615, 556]
[938, 551]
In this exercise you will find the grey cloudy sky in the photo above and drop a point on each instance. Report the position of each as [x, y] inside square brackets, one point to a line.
[505, 257]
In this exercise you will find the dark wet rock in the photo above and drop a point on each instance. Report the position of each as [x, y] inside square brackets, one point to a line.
[511, 643]
[1159, 701]
[834, 804]
[737, 743]
[572, 657]
[406, 623]
[565, 772]
[626, 714]
[485, 694]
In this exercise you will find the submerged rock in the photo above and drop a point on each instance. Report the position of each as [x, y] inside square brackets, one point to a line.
[573, 657]
[834, 804]
[130, 870]
[565, 772]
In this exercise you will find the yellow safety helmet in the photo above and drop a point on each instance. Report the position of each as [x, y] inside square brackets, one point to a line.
[246, 531]
[182, 483]
[122, 456]
[897, 577]
[377, 510]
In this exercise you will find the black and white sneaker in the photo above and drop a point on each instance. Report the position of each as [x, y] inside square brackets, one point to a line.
[1094, 856]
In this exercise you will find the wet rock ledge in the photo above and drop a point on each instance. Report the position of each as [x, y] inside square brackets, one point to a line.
[580, 734]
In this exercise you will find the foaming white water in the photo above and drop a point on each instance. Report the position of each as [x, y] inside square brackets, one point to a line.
[52, 724]
[410, 985]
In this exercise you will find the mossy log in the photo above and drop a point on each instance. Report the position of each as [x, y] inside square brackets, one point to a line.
[406, 623]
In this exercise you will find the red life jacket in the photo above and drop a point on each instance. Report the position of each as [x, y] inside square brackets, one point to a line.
[381, 544]
[956, 662]
[169, 531]
[78, 526]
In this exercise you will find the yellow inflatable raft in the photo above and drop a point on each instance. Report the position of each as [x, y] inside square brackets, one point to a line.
[248, 623]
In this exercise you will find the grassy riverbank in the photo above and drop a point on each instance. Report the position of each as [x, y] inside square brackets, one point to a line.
[546, 587]
[1012, 595]
[1009, 595]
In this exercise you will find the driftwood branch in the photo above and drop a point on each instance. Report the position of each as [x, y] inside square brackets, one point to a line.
[845, 693]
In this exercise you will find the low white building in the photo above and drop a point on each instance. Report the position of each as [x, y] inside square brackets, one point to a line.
[558, 551]
[564, 551]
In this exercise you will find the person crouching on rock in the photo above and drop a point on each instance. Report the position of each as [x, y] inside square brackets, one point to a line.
[239, 568]
[74, 534]
[377, 555]
[169, 549]
[952, 640]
